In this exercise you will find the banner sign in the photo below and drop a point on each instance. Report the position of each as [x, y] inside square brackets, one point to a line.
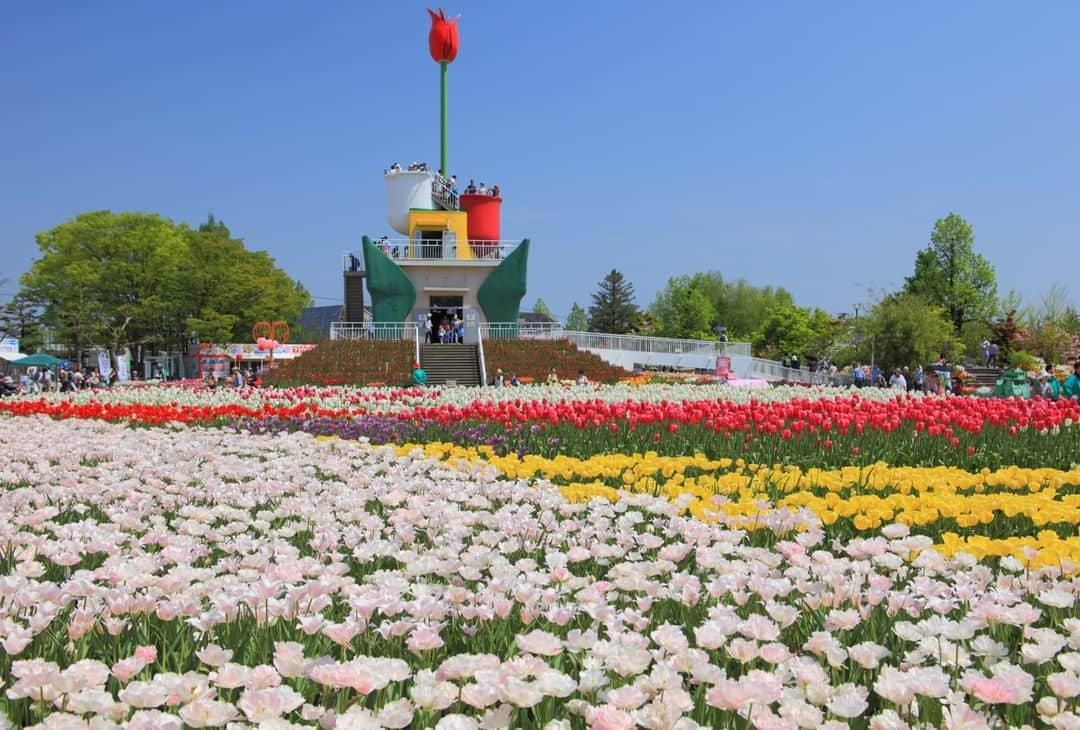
[219, 359]
[104, 364]
[723, 367]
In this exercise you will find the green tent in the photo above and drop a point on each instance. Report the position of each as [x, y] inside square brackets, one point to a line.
[40, 359]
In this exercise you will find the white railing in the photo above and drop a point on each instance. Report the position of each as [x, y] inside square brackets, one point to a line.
[775, 372]
[376, 331]
[443, 193]
[480, 353]
[522, 330]
[664, 345]
[403, 250]
[352, 262]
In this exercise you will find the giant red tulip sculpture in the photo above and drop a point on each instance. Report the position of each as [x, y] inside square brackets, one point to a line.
[443, 44]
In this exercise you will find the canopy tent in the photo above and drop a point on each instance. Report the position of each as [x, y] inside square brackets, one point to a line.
[11, 356]
[40, 359]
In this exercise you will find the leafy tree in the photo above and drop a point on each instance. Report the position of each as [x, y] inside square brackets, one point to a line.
[230, 288]
[949, 274]
[1047, 327]
[683, 309]
[21, 318]
[577, 320]
[613, 309]
[905, 329]
[112, 280]
[541, 307]
[791, 330]
[1006, 333]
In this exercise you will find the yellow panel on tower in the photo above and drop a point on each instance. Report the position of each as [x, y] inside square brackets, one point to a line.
[439, 234]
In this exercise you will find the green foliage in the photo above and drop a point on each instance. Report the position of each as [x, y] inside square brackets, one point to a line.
[1050, 327]
[21, 318]
[1005, 332]
[541, 307]
[112, 280]
[683, 309]
[613, 309]
[1023, 359]
[577, 320]
[905, 329]
[700, 302]
[949, 274]
[792, 330]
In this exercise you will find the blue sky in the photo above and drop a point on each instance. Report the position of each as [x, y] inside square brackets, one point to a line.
[805, 145]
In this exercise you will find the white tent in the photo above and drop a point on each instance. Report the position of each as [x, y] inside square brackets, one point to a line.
[9, 356]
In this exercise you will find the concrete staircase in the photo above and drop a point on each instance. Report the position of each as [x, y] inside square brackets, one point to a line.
[979, 376]
[451, 364]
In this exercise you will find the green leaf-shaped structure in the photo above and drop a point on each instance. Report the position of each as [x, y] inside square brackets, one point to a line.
[392, 294]
[500, 294]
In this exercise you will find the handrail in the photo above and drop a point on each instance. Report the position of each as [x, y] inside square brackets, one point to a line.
[480, 350]
[405, 250]
[602, 341]
[388, 331]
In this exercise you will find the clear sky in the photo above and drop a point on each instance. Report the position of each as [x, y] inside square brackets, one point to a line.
[801, 144]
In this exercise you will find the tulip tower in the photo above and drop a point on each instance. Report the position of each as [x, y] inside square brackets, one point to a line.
[451, 264]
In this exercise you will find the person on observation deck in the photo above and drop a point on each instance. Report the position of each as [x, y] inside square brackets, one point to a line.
[471, 189]
[494, 191]
[482, 189]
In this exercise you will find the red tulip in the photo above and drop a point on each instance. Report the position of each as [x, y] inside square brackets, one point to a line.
[443, 37]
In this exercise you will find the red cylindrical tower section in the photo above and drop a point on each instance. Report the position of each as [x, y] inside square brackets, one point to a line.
[484, 212]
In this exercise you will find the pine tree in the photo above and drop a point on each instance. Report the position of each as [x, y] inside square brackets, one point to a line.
[613, 309]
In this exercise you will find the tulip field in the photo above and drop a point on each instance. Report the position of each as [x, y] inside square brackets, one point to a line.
[653, 556]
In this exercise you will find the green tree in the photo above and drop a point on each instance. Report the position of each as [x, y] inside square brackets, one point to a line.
[613, 309]
[542, 308]
[683, 309]
[905, 329]
[230, 288]
[21, 318]
[112, 280]
[949, 274]
[577, 320]
[791, 330]
[103, 279]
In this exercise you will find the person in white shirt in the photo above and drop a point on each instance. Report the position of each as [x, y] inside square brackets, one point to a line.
[898, 381]
[582, 379]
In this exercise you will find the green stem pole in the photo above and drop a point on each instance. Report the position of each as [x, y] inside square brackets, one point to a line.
[442, 125]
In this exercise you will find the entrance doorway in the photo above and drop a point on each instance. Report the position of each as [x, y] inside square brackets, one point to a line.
[448, 311]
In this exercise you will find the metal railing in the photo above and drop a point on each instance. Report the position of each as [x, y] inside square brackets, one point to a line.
[443, 193]
[480, 353]
[521, 330]
[775, 372]
[663, 345]
[352, 262]
[389, 331]
[405, 251]
[601, 341]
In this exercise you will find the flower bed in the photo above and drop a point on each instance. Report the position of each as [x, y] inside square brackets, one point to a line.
[346, 362]
[186, 574]
[533, 359]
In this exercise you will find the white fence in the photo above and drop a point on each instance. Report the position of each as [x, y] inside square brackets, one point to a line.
[406, 250]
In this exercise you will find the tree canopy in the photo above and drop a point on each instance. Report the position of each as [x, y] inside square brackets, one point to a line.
[905, 329]
[613, 309]
[577, 320]
[111, 280]
[950, 274]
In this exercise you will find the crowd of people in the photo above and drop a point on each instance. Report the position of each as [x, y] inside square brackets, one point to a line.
[451, 182]
[37, 380]
[448, 332]
[239, 377]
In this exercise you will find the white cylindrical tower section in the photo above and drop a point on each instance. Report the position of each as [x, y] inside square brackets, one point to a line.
[405, 190]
